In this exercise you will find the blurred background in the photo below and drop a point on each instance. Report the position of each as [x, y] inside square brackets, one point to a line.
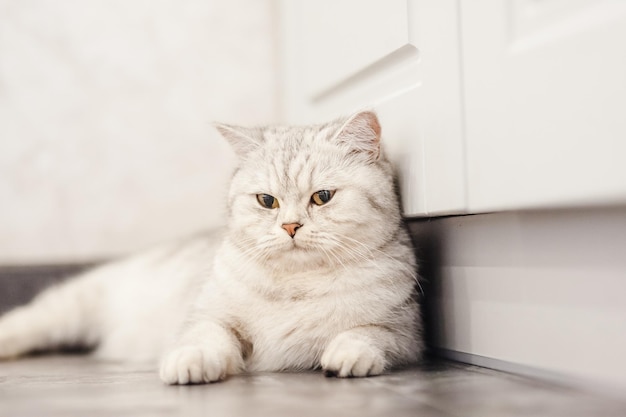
[106, 143]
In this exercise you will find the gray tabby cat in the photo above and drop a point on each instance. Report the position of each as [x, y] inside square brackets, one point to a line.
[315, 270]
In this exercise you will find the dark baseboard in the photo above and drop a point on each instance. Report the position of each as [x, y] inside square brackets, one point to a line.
[20, 283]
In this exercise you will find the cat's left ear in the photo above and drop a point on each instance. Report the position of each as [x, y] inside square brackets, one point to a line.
[361, 134]
[242, 139]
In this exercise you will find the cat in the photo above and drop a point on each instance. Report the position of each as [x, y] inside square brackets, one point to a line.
[315, 270]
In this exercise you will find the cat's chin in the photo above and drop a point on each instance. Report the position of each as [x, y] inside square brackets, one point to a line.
[297, 255]
[295, 249]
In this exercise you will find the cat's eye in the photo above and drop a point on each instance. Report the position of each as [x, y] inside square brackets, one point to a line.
[267, 201]
[322, 197]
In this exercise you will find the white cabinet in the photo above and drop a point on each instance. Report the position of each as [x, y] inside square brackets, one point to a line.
[545, 102]
[340, 38]
[492, 105]
[485, 105]
[401, 58]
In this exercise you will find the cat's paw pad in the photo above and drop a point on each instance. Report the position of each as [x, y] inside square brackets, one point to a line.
[346, 356]
[195, 365]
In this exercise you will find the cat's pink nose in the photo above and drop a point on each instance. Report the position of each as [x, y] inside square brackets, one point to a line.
[291, 228]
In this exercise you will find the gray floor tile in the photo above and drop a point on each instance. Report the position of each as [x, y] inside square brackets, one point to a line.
[82, 386]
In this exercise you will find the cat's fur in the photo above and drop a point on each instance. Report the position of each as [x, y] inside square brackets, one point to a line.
[339, 295]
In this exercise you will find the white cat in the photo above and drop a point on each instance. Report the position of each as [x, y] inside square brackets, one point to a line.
[315, 270]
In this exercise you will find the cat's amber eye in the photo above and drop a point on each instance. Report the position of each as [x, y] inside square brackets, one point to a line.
[267, 201]
[322, 197]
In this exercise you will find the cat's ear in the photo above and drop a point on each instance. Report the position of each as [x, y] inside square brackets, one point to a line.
[361, 134]
[242, 139]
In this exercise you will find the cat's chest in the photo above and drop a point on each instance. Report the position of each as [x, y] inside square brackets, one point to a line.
[287, 310]
[304, 311]
[292, 334]
[290, 324]
[289, 335]
[283, 318]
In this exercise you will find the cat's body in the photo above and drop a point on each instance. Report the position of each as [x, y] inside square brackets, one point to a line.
[315, 270]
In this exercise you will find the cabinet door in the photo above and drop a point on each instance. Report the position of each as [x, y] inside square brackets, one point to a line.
[545, 102]
[399, 57]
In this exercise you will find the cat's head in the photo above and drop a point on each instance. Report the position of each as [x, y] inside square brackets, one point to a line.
[308, 196]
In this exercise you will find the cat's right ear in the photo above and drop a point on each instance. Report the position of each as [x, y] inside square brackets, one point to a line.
[242, 139]
[360, 133]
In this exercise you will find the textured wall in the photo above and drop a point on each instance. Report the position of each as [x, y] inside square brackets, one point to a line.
[105, 109]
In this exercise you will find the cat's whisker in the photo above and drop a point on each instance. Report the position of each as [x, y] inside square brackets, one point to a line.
[325, 252]
[331, 253]
[353, 253]
[254, 253]
[402, 265]
[356, 255]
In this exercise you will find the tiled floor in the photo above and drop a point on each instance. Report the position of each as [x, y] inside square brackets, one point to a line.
[80, 386]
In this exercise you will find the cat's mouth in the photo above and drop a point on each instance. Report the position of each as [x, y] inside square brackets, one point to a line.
[295, 245]
[298, 246]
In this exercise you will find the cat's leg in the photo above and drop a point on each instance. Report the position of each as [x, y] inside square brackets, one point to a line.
[367, 351]
[206, 352]
[61, 316]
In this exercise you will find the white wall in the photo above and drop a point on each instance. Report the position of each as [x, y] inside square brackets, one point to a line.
[105, 109]
[535, 292]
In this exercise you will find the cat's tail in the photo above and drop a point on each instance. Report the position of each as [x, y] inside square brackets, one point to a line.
[63, 316]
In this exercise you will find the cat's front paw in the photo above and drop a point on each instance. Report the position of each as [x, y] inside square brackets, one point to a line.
[197, 365]
[349, 355]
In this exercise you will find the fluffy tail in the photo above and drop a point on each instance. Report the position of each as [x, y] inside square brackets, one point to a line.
[63, 316]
